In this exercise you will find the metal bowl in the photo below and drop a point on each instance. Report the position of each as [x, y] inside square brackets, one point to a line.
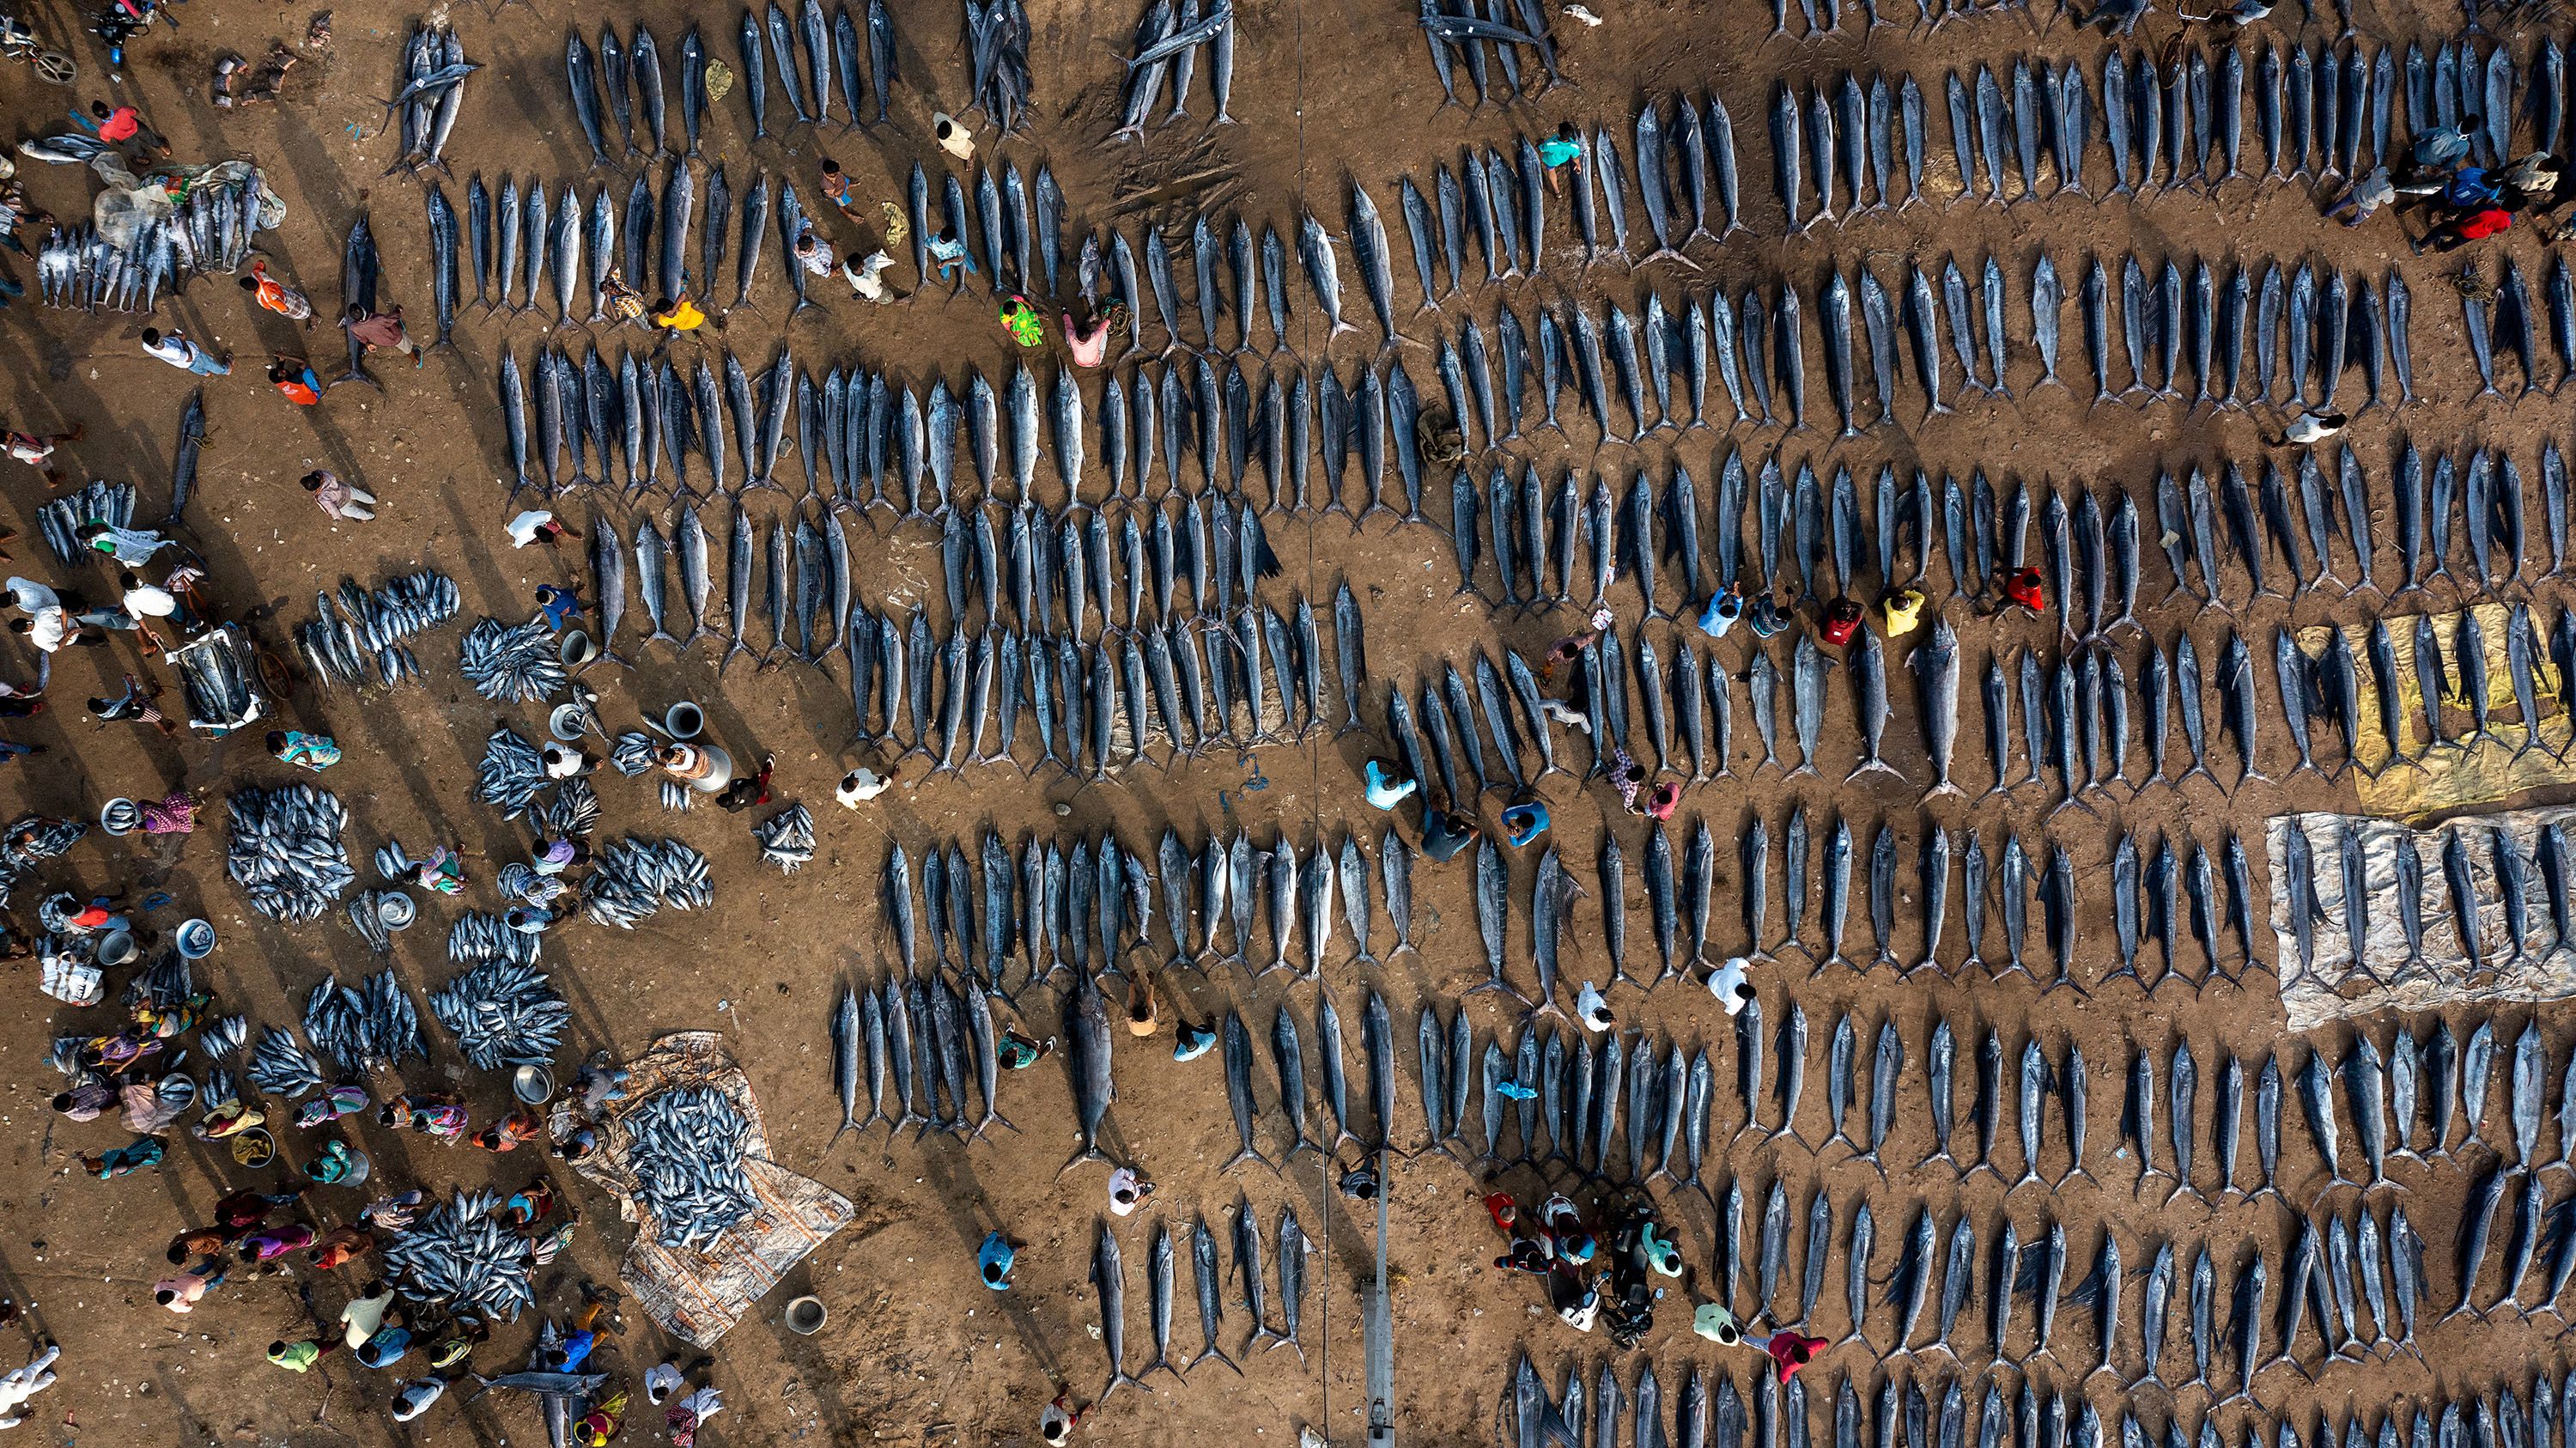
[255, 1147]
[395, 910]
[534, 1085]
[120, 816]
[195, 939]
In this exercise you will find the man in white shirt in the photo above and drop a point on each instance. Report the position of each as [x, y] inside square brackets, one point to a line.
[28, 594]
[183, 354]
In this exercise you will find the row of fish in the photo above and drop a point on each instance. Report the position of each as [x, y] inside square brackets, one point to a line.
[1949, 1412]
[931, 1039]
[1167, 43]
[630, 76]
[1455, 32]
[432, 95]
[362, 629]
[2331, 858]
[1109, 1277]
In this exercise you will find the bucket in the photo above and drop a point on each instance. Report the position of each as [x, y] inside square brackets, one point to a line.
[117, 948]
[565, 723]
[120, 816]
[806, 1316]
[395, 910]
[255, 1147]
[196, 939]
[575, 648]
[684, 720]
[534, 1085]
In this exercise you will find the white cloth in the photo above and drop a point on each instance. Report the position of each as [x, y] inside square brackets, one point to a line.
[51, 625]
[561, 763]
[30, 595]
[859, 786]
[415, 1398]
[174, 349]
[362, 1318]
[146, 601]
[1728, 984]
[523, 528]
[1591, 1009]
[1125, 1191]
[705, 1403]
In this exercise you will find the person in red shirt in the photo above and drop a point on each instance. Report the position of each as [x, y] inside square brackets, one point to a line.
[2023, 588]
[123, 126]
[1789, 1351]
[2466, 227]
[338, 1246]
[277, 296]
[294, 377]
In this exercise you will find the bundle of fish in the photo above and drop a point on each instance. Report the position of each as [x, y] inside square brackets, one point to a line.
[395, 863]
[632, 755]
[223, 1088]
[165, 983]
[676, 797]
[285, 850]
[363, 1029]
[281, 1066]
[370, 629]
[685, 1147]
[932, 1037]
[1109, 1276]
[511, 774]
[366, 912]
[511, 663]
[997, 44]
[573, 809]
[478, 936]
[504, 1012]
[79, 268]
[39, 837]
[1456, 29]
[219, 678]
[786, 838]
[223, 1037]
[459, 1253]
[2382, 912]
[1167, 43]
[431, 96]
[61, 519]
[637, 877]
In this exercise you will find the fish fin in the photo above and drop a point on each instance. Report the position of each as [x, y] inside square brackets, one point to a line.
[1213, 1351]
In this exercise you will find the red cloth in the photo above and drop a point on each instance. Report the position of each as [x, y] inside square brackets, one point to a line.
[2485, 223]
[121, 124]
[92, 918]
[1790, 1352]
[297, 393]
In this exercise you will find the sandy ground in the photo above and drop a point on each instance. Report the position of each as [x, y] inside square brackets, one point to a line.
[916, 1350]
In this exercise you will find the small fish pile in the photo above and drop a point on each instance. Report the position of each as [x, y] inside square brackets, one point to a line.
[676, 797]
[370, 629]
[637, 877]
[511, 774]
[281, 1066]
[1455, 31]
[685, 1146]
[459, 1253]
[223, 1037]
[511, 663]
[504, 1012]
[632, 754]
[1167, 45]
[786, 838]
[219, 678]
[366, 912]
[432, 95]
[285, 850]
[573, 809]
[374, 1026]
[62, 519]
[479, 936]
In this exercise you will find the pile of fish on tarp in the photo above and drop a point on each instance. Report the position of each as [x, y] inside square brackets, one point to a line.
[504, 1012]
[281, 1066]
[433, 92]
[1457, 31]
[132, 249]
[370, 629]
[511, 663]
[480, 936]
[460, 1254]
[374, 1026]
[1167, 44]
[786, 838]
[687, 1153]
[61, 519]
[636, 877]
[285, 850]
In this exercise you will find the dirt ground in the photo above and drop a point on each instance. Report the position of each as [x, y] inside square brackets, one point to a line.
[916, 1350]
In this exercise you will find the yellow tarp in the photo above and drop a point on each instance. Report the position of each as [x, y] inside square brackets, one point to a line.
[2491, 767]
[698, 1295]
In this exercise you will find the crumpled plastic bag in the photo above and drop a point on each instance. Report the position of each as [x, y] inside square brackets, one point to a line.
[719, 81]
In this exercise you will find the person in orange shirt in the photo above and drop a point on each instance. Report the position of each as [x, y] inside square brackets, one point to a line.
[338, 1246]
[294, 377]
[511, 1131]
[277, 296]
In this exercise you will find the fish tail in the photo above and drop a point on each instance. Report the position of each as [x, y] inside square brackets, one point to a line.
[1213, 1351]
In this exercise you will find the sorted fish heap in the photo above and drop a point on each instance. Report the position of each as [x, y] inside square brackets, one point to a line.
[786, 838]
[479, 936]
[1167, 43]
[573, 809]
[371, 629]
[1455, 31]
[281, 1066]
[285, 850]
[511, 773]
[636, 877]
[511, 663]
[61, 519]
[632, 755]
[363, 1029]
[504, 1012]
[460, 1253]
[431, 96]
[685, 1146]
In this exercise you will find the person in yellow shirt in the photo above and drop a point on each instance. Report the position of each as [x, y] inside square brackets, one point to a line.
[1904, 611]
[678, 316]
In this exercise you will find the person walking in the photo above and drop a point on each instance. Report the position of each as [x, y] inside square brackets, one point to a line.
[340, 499]
[866, 275]
[185, 355]
[37, 450]
[277, 296]
[2458, 231]
[1565, 148]
[2367, 194]
[295, 377]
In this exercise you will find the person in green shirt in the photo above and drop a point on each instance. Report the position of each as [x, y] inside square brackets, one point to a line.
[297, 1357]
[1562, 149]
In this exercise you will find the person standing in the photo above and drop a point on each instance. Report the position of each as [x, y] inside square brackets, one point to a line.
[36, 451]
[813, 253]
[866, 275]
[1565, 148]
[339, 499]
[537, 526]
[185, 355]
[295, 377]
